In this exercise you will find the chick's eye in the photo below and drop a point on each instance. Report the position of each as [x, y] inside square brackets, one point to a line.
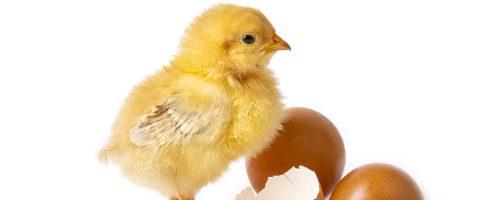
[248, 39]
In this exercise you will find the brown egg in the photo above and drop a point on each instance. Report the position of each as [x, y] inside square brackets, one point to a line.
[308, 139]
[375, 182]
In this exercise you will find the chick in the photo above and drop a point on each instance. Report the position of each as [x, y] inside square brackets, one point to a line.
[181, 127]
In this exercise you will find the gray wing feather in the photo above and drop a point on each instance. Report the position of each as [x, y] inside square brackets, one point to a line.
[169, 122]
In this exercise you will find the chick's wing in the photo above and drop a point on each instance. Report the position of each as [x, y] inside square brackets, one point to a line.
[173, 121]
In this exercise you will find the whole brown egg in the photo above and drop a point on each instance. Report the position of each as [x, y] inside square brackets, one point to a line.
[375, 182]
[308, 139]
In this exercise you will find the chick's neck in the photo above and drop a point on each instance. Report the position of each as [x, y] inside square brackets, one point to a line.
[218, 69]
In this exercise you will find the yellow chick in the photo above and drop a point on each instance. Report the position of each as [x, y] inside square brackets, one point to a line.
[217, 101]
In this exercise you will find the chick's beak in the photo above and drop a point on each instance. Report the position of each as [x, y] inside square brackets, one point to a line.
[278, 44]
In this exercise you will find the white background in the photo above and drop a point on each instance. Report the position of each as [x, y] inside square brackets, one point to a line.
[411, 83]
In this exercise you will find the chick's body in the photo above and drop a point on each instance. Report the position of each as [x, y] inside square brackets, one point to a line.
[181, 127]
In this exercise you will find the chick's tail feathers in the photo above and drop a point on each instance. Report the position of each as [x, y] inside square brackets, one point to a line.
[104, 155]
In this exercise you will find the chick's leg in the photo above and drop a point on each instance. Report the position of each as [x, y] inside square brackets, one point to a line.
[181, 198]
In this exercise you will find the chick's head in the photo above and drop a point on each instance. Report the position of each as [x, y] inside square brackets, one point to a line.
[229, 39]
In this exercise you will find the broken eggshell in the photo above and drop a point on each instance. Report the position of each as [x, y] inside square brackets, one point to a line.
[308, 139]
[296, 184]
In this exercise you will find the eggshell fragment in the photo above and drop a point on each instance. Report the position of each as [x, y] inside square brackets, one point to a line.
[376, 182]
[295, 184]
[308, 139]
